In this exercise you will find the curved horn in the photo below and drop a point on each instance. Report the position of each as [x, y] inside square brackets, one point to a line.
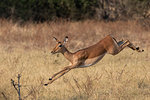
[55, 39]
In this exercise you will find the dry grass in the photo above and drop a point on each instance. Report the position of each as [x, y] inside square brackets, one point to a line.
[26, 50]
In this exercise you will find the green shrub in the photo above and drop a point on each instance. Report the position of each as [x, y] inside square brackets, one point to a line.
[42, 10]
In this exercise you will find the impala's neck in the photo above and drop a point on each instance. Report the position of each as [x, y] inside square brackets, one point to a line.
[68, 55]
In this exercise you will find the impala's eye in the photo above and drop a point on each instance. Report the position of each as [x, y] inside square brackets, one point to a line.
[60, 45]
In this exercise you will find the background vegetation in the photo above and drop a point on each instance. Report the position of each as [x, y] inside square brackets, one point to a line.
[43, 10]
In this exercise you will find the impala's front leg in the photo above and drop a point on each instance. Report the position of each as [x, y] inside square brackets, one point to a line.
[59, 74]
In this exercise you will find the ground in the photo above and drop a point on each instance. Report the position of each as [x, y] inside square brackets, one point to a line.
[26, 50]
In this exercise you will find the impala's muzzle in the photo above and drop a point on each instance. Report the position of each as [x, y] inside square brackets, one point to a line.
[52, 52]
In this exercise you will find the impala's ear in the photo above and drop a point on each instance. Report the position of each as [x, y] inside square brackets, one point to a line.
[66, 39]
[55, 39]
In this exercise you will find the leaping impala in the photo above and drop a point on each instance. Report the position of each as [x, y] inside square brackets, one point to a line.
[90, 55]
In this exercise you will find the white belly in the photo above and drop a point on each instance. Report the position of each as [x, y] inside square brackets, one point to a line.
[92, 61]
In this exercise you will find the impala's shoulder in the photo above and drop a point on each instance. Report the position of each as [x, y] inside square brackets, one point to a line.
[81, 53]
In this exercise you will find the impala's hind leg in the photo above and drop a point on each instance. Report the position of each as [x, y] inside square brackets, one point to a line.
[135, 48]
[119, 46]
[127, 43]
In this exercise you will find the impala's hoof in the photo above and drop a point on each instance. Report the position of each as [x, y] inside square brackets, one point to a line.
[50, 78]
[45, 84]
[137, 48]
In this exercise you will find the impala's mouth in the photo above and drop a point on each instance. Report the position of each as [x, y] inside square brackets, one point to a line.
[52, 52]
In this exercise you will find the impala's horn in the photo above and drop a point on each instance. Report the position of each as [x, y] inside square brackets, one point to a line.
[66, 39]
[55, 39]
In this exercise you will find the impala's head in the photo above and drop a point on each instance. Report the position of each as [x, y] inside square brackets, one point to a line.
[59, 46]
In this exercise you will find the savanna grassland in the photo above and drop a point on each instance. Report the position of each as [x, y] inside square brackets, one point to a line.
[25, 49]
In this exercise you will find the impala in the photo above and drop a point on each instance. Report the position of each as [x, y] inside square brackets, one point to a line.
[90, 55]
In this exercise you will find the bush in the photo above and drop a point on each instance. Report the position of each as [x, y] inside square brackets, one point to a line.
[123, 9]
[42, 10]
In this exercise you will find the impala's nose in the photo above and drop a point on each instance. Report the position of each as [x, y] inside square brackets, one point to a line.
[52, 52]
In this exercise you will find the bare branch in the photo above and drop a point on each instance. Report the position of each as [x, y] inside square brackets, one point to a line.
[17, 86]
[4, 95]
[14, 85]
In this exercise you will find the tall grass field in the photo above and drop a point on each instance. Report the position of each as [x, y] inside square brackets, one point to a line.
[25, 50]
